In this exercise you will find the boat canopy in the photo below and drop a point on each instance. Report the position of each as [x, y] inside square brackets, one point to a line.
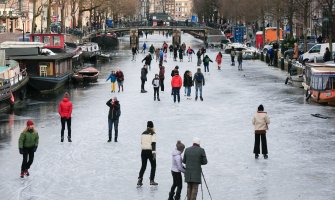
[323, 78]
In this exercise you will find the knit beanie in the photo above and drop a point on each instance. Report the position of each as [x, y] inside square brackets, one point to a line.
[196, 141]
[180, 146]
[30, 122]
[150, 124]
[261, 108]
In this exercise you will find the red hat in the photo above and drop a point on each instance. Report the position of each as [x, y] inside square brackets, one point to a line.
[30, 122]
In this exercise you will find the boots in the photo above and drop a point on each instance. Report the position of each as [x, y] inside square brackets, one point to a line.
[115, 139]
[22, 175]
[152, 182]
[171, 195]
[109, 136]
[158, 99]
[139, 182]
[201, 98]
[177, 197]
[69, 139]
[26, 172]
[62, 139]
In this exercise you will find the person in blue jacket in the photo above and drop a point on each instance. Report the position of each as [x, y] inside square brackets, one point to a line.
[112, 77]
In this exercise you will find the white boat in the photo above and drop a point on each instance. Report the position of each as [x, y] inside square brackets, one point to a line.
[90, 50]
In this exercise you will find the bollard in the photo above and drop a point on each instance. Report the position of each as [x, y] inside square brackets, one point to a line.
[267, 59]
[282, 64]
[262, 56]
[289, 66]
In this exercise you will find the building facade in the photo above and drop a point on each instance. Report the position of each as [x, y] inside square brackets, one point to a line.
[183, 10]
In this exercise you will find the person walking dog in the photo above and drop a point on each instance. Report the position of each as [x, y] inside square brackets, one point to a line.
[28, 143]
[261, 122]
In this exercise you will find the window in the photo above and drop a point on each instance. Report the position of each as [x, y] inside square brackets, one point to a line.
[37, 39]
[315, 49]
[56, 40]
[46, 40]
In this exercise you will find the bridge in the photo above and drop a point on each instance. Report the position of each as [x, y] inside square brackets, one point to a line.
[176, 32]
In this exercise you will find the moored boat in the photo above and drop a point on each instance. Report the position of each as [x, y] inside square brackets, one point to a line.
[90, 51]
[86, 75]
[322, 85]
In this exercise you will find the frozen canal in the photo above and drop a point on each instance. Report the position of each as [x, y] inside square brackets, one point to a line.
[301, 162]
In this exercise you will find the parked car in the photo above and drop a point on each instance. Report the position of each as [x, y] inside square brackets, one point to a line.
[288, 54]
[316, 52]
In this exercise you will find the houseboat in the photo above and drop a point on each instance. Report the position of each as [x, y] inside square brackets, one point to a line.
[13, 82]
[322, 85]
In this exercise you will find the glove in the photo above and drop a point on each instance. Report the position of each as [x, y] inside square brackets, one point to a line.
[35, 148]
[154, 156]
[21, 150]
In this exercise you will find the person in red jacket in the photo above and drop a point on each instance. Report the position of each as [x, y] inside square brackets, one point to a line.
[65, 111]
[176, 84]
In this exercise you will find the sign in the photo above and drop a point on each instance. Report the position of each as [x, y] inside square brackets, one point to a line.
[194, 19]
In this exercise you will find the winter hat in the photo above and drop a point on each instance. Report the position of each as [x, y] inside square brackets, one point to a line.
[199, 69]
[150, 124]
[180, 146]
[30, 122]
[196, 140]
[177, 67]
[261, 108]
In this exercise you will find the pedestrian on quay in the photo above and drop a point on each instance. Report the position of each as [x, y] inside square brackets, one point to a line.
[113, 118]
[232, 56]
[239, 60]
[155, 83]
[327, 55]
[295, 51]
[119, 78]
[194, 157]
[65, 111]
[181, 54]
[176, 83]
[198, 81]
[147, 60]
[113, 78]
[161, 77]
[199, 58]
[148, 146]
[206, 61]
[144, 47]
[189, 54]
[134, 51]
[176, 170]
[185, 77]
[152, 51]
[28, 143]
[271, 56]
[219, 60]
[188, 83]
[260, 122]
[144, 73]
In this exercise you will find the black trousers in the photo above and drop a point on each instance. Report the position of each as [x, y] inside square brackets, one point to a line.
[232, 59]
[156, 92]
[176, 93]
[142, 84]
[177, 183]
[68, 123]
[259, 137]
[28, 158]
[161, 83]
[145, 156]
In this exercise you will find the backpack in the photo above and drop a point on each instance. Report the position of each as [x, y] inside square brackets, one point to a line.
[199, 77]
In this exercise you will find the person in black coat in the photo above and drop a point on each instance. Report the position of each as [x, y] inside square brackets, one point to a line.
[327, 55]
[176, 69]
[188, 83]
[113, 117]
[144, 73]
[147, 60]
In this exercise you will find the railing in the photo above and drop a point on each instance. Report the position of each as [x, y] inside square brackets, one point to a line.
[5, 91]
[18, 78]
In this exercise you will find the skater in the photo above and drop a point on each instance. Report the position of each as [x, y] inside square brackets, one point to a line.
[152, 51]
[189, 54]
[28, 143]
[194, 157]
[206, 61]
[176, 84]
[113, 118]
[175, 53]
[239, 60]
[174, 71]
[171, 50]
[147, 60]
[165, 55]
[198, 81]
[203, 51]
[155, 83]
[232, 56]
[161, 77]
[185, 78]
[144, 47]
[181, 54]
[112, 77]
[176, 170]
[260, 122]
[65, 111]
[219, 60]
[134, 51]
[157, 54]
[148, 146]
[183, 47]
[144, 73]
[119, 78]
[199, 58]
[165, 46]
[161, 57]
[188, 83]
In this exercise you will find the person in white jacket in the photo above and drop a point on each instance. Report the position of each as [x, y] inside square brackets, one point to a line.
[260, 122]
[176, 170]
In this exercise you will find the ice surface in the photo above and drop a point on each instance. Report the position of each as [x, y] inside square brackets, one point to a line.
[301, 162]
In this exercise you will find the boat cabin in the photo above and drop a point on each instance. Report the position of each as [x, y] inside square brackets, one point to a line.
[323, 78]
[310, 66]
[51, 41]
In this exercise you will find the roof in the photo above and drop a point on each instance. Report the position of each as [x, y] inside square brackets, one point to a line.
[60, 56]
[11, 44]
[324, 70]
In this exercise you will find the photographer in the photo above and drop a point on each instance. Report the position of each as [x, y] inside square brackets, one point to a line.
[113, 117]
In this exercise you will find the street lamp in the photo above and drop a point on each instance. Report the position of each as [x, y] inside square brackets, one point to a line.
[23, 18]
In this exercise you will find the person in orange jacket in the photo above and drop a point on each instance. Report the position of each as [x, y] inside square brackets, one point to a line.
[65, 111]
[176, 83]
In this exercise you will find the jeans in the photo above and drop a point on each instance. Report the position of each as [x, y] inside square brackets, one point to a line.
[176, 94]
[192, 191]
[198, 88]
[239, 65]
[206, 67]
[199, 61]
[145, 156]
[27, 152]
[232, 59]
[110, 127]
[156, 92]
[120, 85]
[188, 89]
[257, 143]
[68, 123]
[142, 84]
[177, 183]
[161, 83]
